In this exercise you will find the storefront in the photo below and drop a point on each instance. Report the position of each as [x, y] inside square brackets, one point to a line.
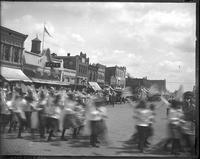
[12, 47]
[35, 68]
[13, 74]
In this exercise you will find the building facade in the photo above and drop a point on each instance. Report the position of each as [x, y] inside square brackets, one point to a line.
[80, 64]
[12, 47]
[116, 76]
[34, 65]
[68, 76]
[136, 83]
[92, 73]
[101, 69]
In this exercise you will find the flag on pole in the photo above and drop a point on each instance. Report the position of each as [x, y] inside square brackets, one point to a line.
[45, 30]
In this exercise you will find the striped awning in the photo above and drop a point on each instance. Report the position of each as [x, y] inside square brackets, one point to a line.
[95, 86]
[13, 74]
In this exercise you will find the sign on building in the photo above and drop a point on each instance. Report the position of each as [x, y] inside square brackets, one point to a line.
[52, 64]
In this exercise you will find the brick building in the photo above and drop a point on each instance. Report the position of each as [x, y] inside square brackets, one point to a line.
[116, 76]
[92, 73]
[136, 83]
[101, 69]
[12, 48]
[79, 63]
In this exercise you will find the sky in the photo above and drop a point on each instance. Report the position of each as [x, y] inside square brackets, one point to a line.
[153, 40]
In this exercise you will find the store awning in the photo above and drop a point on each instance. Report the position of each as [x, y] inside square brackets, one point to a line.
[13, 74]
[95, 86]
[43, 81]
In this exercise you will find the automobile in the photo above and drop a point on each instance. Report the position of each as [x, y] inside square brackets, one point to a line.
[155, 97]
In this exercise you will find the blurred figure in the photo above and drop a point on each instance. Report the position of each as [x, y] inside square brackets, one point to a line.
[5, 116]
[19, 104]
[188, 126]
[151, 121]
[175, 119]
[95, 116]
[52, 120]
[142, 117]
[29, 100]
[68, 116]
[42, 103]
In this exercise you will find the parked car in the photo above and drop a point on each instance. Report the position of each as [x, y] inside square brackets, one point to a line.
[155, 97]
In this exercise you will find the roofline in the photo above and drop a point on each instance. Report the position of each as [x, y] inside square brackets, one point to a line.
[16, 32]
[156, 80]
[63, 56]
[39, 55]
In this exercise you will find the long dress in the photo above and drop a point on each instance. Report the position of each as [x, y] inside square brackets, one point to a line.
[68, 116]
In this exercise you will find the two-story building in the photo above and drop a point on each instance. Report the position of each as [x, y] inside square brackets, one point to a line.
[101, 69]
[92, 73]
[12, 47]
[137, 83]
[116, 76]
[79, 63]
[34, 65]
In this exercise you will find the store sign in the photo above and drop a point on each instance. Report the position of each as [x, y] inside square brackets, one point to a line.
[52, 64]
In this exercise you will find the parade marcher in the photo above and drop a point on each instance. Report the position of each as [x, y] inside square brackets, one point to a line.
[142, 123]
[68, 116]
[151, 121]
[94, 118]
[80, 116]
[175, 119]
[29, 100]
[19, 105]
[103, 134]
[5, 116]
[42, 103]
[52, 118]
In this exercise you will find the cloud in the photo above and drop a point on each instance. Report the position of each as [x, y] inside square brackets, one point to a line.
[171, 65]
[171, 55]
[150, 39]
[186, 45]
[78, 38]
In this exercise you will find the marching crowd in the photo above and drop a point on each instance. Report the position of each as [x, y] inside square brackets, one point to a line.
[51, 110]
[47, 111]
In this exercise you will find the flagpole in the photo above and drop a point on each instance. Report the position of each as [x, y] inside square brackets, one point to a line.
[43, 38]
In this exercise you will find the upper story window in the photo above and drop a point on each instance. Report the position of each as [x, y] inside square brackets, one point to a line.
[6, 52]
[16, 54]
[83, 60]
[2, 47]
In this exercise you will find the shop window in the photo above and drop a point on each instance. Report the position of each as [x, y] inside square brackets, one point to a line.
[6, 52]
[16, 55]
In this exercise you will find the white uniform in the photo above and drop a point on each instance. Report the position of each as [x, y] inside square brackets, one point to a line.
[142, 117]
[175, 116]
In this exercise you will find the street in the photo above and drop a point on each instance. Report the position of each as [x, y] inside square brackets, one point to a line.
[120, 128]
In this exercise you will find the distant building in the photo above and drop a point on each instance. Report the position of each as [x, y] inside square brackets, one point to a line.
[79, 63]
[101, 70]
[12, 47]
[136, 83]
[92, 73]
[160, 84]
[116, 76]
[68, 76]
